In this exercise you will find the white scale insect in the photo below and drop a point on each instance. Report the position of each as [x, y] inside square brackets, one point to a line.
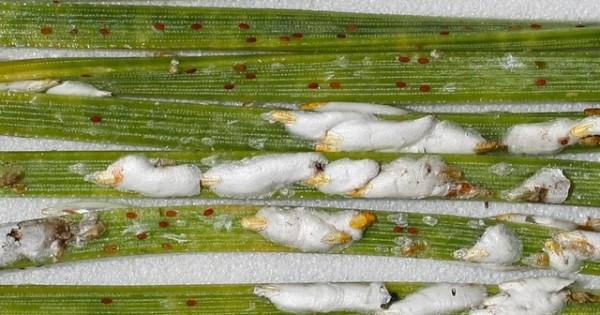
[136, 173]
[550, 137]
[325, 297]
[548, 185]
[76, 88]
[309, 230]
[533, 296]
[344, 176]
[28, 85]
[568, 250]
[498, 246]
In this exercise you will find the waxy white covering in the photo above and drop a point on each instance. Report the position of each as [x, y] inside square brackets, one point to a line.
[35, 243]
[569, 250]
[447, 137]
[365, 108]
[439, 299]
[28, 85]
[261, 175]
[136, 173]
[409, 178]
[77, 88]
[306, 229]
[538, 219]
[498, 245]
[325, 297]
[314, 125]
[345, 175]
[378, 135]
[533, 296]
[540, 138]
[547, 185]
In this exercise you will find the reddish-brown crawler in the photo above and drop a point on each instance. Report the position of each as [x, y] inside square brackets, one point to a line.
[563, 141]
[424, 88]
[111, 248]
[46, 30]
[131, 215]
[284, 38]
[163, 224]
[141, 236]
[208, 212]
[535, 26]
[335, 85]
[404, 59]
[398, 229]
[412, 230]
[96, 119]
[444, 33]
[313, 85]
[239, 67]
[243, 26]
[159, 27]
[197, 26]
[106, 301]
[171, 213]
[167, 246]
[401, 84]
[423, 60]
[297, 35]
[229, 86]
[191, 71]
[250, 76]
[540, 82]
[191, 302]
[251, 39]
[105, 32]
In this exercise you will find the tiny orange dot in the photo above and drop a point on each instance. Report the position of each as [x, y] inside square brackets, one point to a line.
[167, 246]
[244, 26]
[96, 119]
[141, 236]
[191, 70]
[159, 26]
[228, 86]
[335, 85]
[191, 302]
[297, 35]
[540, 82]
[404, 59]
[163, 224]
[208, 212]
[313, 85]
[131, 215]
[239, 67]
[444, 33]
[535, 26]
[398, 229]
[196, 26]
[401, 84]
[423, 60]
[106, 301]
[413, 230]
[424, 88]
[284, 38]
[171, 213]
[46, 30]
[564, 141]
[250, 76]
[105, 32]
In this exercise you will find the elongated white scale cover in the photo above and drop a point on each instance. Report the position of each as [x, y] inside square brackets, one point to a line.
[376, 135]
[313, 125]
[562, 260]
[365, 108]
[77, 88]
[439, 299]
[136, 173]
[447, 137]
[261, 175]
[533, 296]
[345, 175]
[28, 85]
[547, 185]
[325, 297]
[498, 245]
[308, 230]
[589, 126]
[408, 178]
[585, 244]
[537, 219]
[540, 138]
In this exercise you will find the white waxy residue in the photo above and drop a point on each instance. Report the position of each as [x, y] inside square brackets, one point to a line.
[533, 296]
[548, 185]
[325, 297]
[364, 108]
[540, 138]
[136, 173]
[589, 126]
[439, 299]
[312, 125]
[344, 176]
[28, 85]
[498, 245]
[261, 175]
[76, 88]
[568, 250]
[447, 137]
[409, 178]
[375, 135]
[309, 230]
[538, 219]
